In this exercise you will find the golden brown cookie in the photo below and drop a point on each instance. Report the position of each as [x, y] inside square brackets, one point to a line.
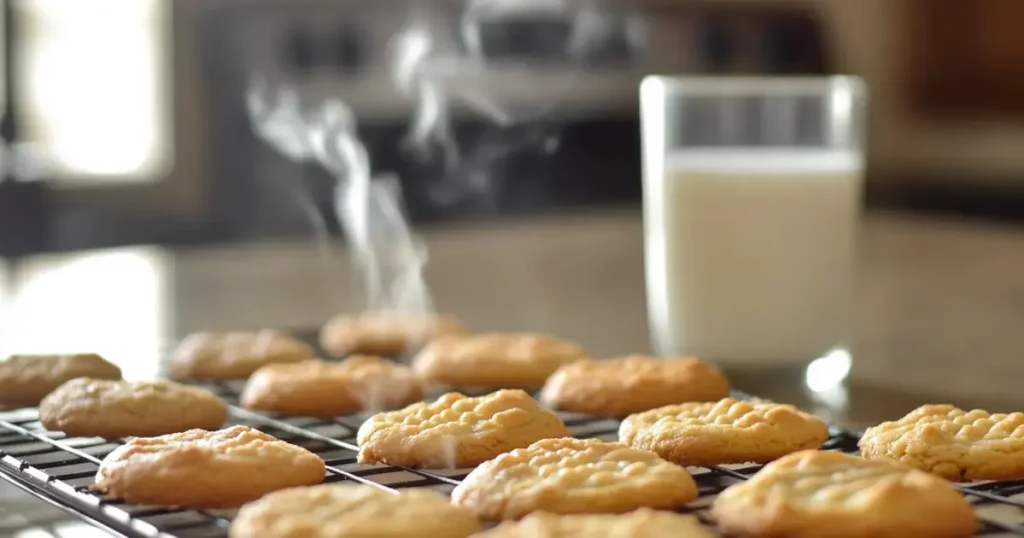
[353, 511]
[726, 431]
[26, 379]
[94, 407]
[206, 469]
[952, 443]
[326, 389]
[618, 387]
[384, 333]
[573, 476]
[825, 494]
[642, 523]
[494, 359]
[234, 355]
[456, 431]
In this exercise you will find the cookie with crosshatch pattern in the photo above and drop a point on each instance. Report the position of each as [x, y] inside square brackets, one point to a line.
[352, 511]
[642, 523]
[952, 443]
[573, 476]
[726, 431]
[618, 387]
[325, 389]
[89, 407]
[384, 333]
[456, 431]
[26, 379]
[234, 355]
[206, 469]
[829, 494]
[494, 359]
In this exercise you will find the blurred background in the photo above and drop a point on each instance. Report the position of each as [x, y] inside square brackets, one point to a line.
[140, 202]
[125, 121]
[140, 199]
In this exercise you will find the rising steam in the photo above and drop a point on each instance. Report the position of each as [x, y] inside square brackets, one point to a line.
[368, 208]
[442, 78]
[281, 122]
[439, 77]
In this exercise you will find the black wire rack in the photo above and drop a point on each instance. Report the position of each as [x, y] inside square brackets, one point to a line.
[60, 469]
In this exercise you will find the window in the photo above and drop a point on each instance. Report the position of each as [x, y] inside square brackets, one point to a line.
[92, 83]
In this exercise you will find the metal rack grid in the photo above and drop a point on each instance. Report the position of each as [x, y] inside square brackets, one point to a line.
[60, 469]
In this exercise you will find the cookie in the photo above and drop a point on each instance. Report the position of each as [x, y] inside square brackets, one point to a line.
[642, 523]
[383, 333]
[618, 387]
[206, 469]
[234, 355]
[952, 443]
[494, 359]
[726, 431]
[88, 407]
[26, 379]
[326, 389]
[456, 431]
[827, 494]
[352, 511]
[573, 476]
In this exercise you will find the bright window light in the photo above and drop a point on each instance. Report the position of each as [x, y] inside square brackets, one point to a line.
[109, 302]
[92, 78]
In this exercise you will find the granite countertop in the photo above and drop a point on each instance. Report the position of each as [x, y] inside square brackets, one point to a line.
[940, 302]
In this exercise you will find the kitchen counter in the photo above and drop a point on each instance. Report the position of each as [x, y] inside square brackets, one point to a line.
[940, 302]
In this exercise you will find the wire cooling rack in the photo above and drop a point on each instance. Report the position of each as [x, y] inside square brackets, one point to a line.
[60, 469]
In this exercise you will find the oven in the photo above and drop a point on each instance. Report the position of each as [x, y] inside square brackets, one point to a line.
[546, 118]
[543, 105]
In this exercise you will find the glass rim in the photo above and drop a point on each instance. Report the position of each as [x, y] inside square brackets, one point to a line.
[751, 86]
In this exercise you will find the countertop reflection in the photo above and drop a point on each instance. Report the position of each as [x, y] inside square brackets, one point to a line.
[24, 516]
[940, 302]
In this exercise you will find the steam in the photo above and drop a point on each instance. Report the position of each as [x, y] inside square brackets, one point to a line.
[440, 78]
[280, 121]
[450, 451]
[368, 208]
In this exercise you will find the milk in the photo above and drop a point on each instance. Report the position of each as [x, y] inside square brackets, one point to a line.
[750, 253]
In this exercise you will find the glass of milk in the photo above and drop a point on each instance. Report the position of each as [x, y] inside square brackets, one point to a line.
[752, 193]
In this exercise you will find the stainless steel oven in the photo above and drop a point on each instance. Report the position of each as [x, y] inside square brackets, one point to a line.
[162, 148]
[562, 77]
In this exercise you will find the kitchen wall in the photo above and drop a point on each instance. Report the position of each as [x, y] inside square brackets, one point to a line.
[867, 34]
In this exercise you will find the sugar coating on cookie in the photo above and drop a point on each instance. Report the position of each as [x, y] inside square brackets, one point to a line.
[642, 523]
[26, 379]
[830, 494]
[325, 389]
[456, 431]
[206, 469]
[353, 511]
[494, 359]
[383, 333]
[574, 476]
[726, 431]
[89, 407]
[234, 355]
[952, 443]
[632, 384]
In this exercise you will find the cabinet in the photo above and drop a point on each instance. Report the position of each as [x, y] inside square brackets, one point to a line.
[963, 58]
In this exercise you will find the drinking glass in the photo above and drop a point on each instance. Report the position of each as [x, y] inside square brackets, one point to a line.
[752, 191]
